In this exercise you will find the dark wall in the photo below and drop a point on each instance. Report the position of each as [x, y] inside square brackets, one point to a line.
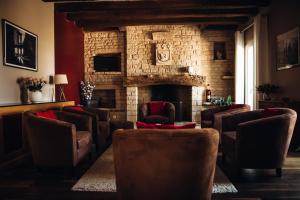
[69, 56]
[284, 16]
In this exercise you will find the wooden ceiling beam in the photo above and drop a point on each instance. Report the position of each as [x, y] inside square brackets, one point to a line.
[160, 21]
[135, 5]
[158, 13]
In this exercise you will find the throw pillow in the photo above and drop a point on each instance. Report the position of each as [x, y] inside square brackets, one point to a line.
[49, 114]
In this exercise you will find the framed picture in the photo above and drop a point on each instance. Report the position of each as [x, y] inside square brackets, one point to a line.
[20, 47]
[288, 54]
[219, 51]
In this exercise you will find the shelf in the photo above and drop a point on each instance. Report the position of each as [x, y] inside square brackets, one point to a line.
[227, 77]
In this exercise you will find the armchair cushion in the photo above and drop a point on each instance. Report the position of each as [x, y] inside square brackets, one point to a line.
[49, 114]
[165, 126]
[156, 107]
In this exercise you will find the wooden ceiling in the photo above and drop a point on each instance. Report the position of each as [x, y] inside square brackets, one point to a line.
[209, 14]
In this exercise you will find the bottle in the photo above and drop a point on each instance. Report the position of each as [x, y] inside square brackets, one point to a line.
[207, 94]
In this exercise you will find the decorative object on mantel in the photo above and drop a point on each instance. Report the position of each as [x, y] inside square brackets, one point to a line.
[163, 53]
[266, 90]
[61, 80]
[288, 54]
[20, 47]
[188, 80]
[86, 92]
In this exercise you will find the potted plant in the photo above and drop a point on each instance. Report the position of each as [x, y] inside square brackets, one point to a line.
[34, 85]
[266, 90]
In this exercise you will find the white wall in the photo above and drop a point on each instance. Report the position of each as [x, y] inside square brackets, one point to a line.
[38, 18]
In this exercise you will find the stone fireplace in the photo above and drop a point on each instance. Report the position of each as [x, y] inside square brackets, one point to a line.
[145, 75]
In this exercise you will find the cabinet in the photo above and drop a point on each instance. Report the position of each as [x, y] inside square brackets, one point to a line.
[295, 105]
[13, 142]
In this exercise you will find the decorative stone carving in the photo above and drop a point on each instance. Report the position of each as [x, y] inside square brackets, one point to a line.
[163, 53]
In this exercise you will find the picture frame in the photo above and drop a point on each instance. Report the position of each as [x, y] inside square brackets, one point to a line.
[288, 54]
[219, 51]
[20, 47]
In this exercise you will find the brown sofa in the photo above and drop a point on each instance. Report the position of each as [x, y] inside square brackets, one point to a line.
[58, 143]
[167, 116]
[212, 118]
[100, 125]
[252, 140]
[165, 164]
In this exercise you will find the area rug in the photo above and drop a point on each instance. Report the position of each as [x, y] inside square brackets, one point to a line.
[101, 177]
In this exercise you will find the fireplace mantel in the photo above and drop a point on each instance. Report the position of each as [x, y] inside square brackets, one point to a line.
[147, 80]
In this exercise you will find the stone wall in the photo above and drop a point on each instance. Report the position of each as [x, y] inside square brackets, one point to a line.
[190, 47]
[103, 43]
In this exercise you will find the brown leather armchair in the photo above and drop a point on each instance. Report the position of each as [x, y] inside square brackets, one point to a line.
[58, 143]
[165, 164]
[212, 118]
[167, 116]
[100, 124]
[252, 140]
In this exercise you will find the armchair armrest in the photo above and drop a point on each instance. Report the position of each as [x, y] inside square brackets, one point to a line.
[170, 111]
[103, 114]
[143, 112]
[208, 114]
[231, 121]
[82, 122]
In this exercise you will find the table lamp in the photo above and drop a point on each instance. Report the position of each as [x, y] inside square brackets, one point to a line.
[61, 80]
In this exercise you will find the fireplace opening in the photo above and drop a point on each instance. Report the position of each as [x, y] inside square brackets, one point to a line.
[180, 96]
[104, 98]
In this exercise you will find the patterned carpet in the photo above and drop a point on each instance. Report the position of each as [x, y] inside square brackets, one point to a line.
[101, 177]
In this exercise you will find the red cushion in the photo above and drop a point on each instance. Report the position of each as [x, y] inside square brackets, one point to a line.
[269, 112]
[77, 108]
[144, 125]
[233, 106]
[156, 107]
[165, 126]
[49, 114]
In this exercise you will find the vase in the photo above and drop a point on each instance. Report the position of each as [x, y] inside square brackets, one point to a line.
[36, 96]
[266, 97]
[24, 95]
[87, 103]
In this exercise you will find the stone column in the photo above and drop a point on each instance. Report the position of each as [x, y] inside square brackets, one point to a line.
[132, 103]
[197, 99]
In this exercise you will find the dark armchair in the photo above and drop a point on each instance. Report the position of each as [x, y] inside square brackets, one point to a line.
[165, 164]
[100, 124]
[212, 118]
[61, 142]
[163, 115]
[258, 139]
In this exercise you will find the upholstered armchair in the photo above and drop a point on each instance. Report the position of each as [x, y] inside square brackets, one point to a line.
[212, 118]
[100, 124]
[258, 139]
[157, 112]
[62, 141]
[165, 164]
